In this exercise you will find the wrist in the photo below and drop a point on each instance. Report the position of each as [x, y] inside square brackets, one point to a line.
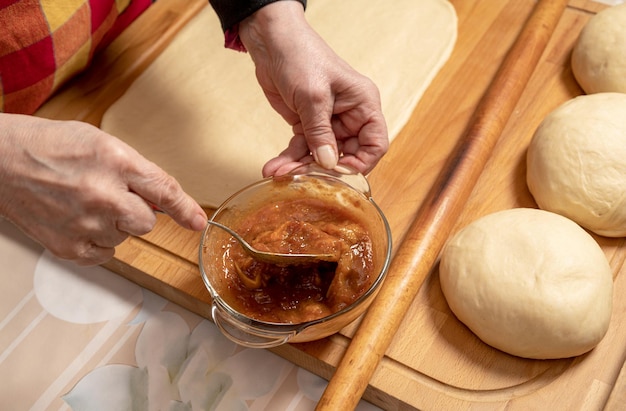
[270, 24]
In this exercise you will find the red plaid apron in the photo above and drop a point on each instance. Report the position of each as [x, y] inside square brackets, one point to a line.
[44, 43]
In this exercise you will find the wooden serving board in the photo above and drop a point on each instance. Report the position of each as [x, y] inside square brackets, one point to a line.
[434, 362]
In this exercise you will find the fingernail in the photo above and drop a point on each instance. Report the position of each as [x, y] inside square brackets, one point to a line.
[326, 156]
[198, 223]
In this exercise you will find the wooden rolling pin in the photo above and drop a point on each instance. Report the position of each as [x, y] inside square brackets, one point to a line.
[433, 224]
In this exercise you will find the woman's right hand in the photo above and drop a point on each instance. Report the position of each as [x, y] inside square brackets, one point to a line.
[79, 191]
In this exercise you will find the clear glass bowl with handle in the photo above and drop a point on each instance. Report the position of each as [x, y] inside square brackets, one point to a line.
[344, 191]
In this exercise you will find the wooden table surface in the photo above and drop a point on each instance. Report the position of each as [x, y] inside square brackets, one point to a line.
[434, 361]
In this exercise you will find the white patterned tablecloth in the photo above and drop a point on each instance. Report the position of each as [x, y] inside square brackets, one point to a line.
[84, 338]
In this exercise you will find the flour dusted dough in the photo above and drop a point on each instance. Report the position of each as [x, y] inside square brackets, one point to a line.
[599, 55]
[576, 162]
[529, 282]
[199, 113]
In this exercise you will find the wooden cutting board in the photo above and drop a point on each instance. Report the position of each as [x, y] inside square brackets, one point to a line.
[434, 361]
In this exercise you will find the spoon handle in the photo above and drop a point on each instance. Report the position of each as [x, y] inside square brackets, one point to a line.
[271, 257]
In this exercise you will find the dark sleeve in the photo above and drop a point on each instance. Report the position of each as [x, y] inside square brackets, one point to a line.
[231, 12]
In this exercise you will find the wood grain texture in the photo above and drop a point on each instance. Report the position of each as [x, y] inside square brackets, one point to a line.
[429, 231]
[433, 361]
[617, 398]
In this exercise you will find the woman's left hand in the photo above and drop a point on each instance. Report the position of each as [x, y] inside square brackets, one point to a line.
[335, 112]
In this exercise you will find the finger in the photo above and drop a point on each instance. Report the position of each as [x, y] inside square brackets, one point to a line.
[94, 255]
[271, 167]
[325, 155]
[109, 238]
[286, 167]
[358, 157]
[84, 253]
[95, 228]
[159, 188]
[315, 117]
[363, 149]
[290, 158]
[136, 216]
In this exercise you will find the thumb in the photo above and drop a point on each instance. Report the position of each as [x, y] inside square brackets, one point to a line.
[326, 155]
[319, 135]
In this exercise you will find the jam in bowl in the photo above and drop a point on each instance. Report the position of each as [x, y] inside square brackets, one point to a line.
[310, 210]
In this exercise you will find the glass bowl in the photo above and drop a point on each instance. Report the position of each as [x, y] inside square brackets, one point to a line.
[346, 193]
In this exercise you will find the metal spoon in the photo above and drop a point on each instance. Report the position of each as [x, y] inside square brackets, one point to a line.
[275, 258]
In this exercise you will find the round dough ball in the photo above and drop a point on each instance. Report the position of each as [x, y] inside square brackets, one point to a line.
[576, 162]
[529, 282]
[599, 55]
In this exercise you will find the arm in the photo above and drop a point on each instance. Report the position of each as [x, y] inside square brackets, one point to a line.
[232, 12]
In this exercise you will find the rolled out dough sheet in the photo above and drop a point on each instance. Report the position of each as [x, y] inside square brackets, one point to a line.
[199, 113]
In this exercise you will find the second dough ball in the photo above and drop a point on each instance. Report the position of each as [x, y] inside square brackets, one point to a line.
[576, 162]
[599, 55]
[529, 282]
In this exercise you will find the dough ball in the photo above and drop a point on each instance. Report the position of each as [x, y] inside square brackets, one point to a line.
[529, 282]
[576, 163]
[599, 55]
